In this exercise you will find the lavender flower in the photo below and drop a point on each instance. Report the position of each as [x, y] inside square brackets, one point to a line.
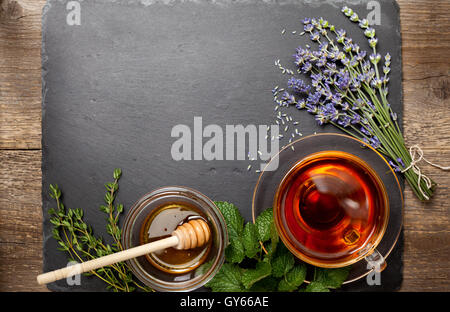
[364, 23]
[356, 119]
[321, 118]
[298, 85]
[366, 131]
[307, 67]
[369, 33]
[375, 58]
[345, 120]
[394, 166]
[349, 88]
[400, 161]
[308, 27]
[330, 112]
[343, 80]
[375, 142]
[312, 108]
[315, 36]
[313, 98]
[288, 98]
[300, 104]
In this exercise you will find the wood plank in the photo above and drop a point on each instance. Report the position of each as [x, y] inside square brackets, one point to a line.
[20, 220]
[20, 78]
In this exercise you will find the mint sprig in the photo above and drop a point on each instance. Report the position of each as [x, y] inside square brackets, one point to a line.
[256, 260]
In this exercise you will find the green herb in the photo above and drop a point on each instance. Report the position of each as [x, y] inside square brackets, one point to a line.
[255, 258]
[76, 237]
[257, 261]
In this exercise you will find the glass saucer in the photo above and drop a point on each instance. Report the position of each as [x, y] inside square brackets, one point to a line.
[268, 182]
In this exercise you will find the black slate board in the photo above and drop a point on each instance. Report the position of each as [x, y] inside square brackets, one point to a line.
[115, 85]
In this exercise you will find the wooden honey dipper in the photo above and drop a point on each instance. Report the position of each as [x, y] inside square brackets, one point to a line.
[192, 234]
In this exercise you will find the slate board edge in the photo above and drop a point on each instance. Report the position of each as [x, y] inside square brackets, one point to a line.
[47, 7]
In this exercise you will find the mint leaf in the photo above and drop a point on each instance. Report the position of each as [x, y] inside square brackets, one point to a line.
[282, 262]
[250, 240]
[331, 278]
[234, 252]
[233, 218]
[251, 276]
[285, 286]
[265, 225]
[293, 279]
[268, 283]
[316, 287]
[228, 279]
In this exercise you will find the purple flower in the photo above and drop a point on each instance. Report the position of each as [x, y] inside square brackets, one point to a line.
[400, 161]
[341, 33]
[331, 112]
[343, 81]
[326, 92]
[336, 99]
[306, 20]
[356, 119]
[358, 104]
[321, 119]
[369, 32]
[321, 62]
[364, 23]
[307, 67]
[375, 58]
[394, 116]
[300, 104]
[317, 54]
[308, 27]
[323, 46]
[314, 98]
[376, 83]
[394, 166]
[345, 106]
[354, 62]
[373, 42]
[374, 142]
[288, 98]
[355, 85]
[315, 36]
[298, 85]
[366, 130]
[361, 55]
[344, 120]
[312, 108]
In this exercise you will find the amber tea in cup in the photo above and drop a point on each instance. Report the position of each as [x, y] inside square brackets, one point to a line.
[331, 209]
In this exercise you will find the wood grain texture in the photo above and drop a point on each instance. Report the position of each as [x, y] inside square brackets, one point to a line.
[426, 86]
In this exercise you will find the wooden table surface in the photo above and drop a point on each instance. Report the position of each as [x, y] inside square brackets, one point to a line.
[426, 85]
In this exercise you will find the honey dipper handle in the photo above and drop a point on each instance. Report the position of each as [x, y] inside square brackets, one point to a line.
[107, 260]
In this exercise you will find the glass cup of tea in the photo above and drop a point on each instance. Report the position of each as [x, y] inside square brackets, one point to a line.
[331, 210]
[155, 216]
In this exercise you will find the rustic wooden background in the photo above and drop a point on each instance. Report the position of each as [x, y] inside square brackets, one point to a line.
[426, 68]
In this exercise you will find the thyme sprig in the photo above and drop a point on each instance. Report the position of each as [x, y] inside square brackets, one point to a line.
[76, 237]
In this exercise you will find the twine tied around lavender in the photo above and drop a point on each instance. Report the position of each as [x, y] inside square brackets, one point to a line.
[416, 151]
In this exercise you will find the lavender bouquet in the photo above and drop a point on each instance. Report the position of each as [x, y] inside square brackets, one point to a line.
[349, 89]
